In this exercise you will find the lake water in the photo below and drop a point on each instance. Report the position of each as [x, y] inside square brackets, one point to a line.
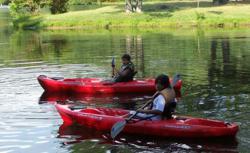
[214, 65]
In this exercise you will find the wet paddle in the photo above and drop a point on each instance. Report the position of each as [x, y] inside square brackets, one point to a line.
[113, 66]
[176, 78]
[119, 126]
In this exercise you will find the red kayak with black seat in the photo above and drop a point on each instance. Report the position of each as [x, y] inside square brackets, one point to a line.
[180, 127]
[97, 85]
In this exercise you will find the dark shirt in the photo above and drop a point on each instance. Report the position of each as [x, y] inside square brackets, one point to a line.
[129, 76]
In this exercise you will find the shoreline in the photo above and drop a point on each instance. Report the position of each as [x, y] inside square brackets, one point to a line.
[148, 26]
[189, 26]
[177, 15]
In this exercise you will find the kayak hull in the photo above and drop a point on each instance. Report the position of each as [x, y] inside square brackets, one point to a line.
[96, 85]
[183, 127]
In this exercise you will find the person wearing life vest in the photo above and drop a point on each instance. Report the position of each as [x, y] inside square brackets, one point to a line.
[126, 72]
[163, 105]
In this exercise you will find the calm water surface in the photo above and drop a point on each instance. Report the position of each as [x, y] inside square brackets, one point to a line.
[214, 65]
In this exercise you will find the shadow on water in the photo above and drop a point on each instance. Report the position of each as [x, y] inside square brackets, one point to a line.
[82, 139]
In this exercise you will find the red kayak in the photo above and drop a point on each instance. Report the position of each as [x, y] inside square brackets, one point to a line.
[96, 85]
[181, 127]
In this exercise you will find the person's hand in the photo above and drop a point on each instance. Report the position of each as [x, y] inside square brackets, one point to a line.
[116, 71]
[132, 112]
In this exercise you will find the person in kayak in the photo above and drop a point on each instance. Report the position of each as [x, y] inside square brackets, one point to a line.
[164, 103]
[127, 71]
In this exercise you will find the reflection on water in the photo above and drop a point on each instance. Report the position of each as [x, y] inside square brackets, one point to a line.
[91, 140]
[214, 66]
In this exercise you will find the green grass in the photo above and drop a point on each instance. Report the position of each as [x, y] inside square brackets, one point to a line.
[155, 15]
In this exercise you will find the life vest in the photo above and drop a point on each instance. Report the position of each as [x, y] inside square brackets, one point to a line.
[170, 103]
[129, 76]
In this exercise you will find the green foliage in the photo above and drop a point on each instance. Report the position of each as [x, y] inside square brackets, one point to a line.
[58, 6]
[5, 2]
[200, 16]
[27, 22]
[26, 7]
[220, 2]
[22, 8]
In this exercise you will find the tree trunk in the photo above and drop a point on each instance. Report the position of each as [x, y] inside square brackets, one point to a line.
[128, 6]
[99, 2]
[138, 7]
[133, 6]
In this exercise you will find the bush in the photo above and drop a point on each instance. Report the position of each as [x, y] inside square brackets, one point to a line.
[5, 2]
[58, 6]
[220, 2]
[200, 16]
[26, 7]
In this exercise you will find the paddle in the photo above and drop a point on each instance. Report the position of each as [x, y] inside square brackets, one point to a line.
[113, 66]
[119, 126]
[176, 78]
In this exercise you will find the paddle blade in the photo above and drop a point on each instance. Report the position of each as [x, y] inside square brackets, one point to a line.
[117, 128]
[113, 62]
[176, 78]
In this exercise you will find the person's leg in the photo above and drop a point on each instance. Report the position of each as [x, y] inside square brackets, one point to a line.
[140, 115]
[144, 116]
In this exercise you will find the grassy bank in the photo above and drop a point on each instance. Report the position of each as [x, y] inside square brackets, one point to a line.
[155, 15]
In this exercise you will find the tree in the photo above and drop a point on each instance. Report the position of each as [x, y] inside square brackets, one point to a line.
[133, 6]
[4, 2]
[58, 6]
[26, 7]
[138, 6]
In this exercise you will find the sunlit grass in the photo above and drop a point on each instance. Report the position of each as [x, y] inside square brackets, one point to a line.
[156, 14]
